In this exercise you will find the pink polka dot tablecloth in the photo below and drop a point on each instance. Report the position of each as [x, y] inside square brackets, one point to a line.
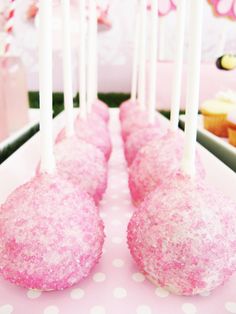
[115, 285]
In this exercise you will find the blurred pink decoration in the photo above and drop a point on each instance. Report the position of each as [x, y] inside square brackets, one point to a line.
[103, 19]
[32, 11]
[165, 7]
[13, 94]
[225, 8]
[102, 13]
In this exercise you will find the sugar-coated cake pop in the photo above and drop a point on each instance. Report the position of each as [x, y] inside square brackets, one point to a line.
[138, 120]
[125, 108]
[156, 161]
[141, 138]
[84, 165]
[51, 235]
[94, 134]
[100, 108]
[92, 130]
[96, 120]
[183, 236]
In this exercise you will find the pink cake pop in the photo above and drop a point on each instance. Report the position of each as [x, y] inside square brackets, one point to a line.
[94, 133]
[98, 137]
[126, 108]
[101, 109]
[154, 162]
[183, 236]
[51, 234]
[138, 120]
[141, 138]
[82, 164]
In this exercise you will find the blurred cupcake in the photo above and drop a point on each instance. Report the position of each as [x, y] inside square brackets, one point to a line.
[231, 120]
[215, 116]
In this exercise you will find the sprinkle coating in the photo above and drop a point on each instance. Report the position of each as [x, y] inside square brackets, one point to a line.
[126, 108]
[154, 163]
[51, 235]
[94, 132]
[183, 236]
[83, 165]
[101, 109]
[141, 138]
[132, 123]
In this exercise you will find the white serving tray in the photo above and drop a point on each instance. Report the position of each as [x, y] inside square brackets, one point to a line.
[115, 285]
[220, 147]
[33, 120]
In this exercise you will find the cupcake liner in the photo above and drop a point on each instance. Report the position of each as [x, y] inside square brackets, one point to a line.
[232, 136]
[216, 124]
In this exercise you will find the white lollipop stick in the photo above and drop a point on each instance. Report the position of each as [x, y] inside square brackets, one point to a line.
[195, 44]
[153, 63]
[162, 38]
[45, 82]
[178, 64]
[82, 60]
[135, 58]
[142, 55]
[91, 58]
[67, 68]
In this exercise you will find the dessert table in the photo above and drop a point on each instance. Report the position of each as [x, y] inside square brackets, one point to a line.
[115, 285]
[218, 146]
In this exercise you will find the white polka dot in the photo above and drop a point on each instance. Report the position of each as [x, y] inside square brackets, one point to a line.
[51, 310]
[98, 310]
[6, 309]
[99, 277]
[33, 294]
[138, 277]
[115, 208]
[119, 293]
[127, 202]
[230, 307]
[205, 294]
[162, 293]
[118, 263]
[143, 309]
[77, 294]
[116, 240]
[116, 222]
[128, 215]
[125, 192]
[114, 196]
[189, 308]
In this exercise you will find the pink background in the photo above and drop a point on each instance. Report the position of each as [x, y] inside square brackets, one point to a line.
[115, 46]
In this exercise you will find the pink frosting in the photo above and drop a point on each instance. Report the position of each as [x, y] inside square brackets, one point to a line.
[141, 138]
[51, 235]
[183, 236]
[83, 165]
[137, 120]
[94, 132]
[126, 108]
[101, 109]
[154, 163]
